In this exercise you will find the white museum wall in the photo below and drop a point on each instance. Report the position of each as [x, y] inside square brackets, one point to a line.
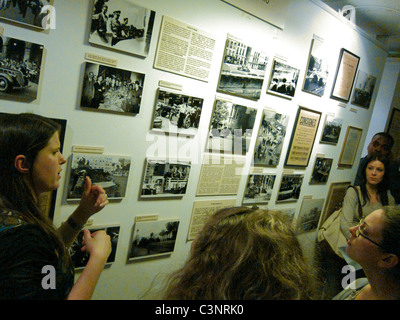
[60, 93]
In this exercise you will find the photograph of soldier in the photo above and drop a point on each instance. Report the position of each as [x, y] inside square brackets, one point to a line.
[283, 80]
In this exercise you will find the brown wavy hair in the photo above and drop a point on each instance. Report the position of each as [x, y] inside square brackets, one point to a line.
[244, 254]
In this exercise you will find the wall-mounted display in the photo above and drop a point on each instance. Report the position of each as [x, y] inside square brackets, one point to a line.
[345, 75]
[283, 80]
[111, 90]
[80, 258]
[243, 69]
[271, 136]
[303, 137]
[177, 113]
[393, 129]
[350, 146]
[309, 215]
[334, 199]
[363, 90]
[290, 187]
[317, 69]
[321, 170]
[20, 67]
[151, 239]
[165, 178]
[122, 25]
[259, 188]
[331, 130]
[231, 128]
[108, 171]
[34, 14]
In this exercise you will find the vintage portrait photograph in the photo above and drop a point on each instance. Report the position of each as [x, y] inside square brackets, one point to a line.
[290, 188]
[80, 258]
[33, 13]
[363, 90]
[231, 128]
[111, 90]
[177, 113]
[331, 130]
[283, 80]
[271, 136]
[164, 179]
[153, 238]
[20, 66]
[259, 188]
[309, 215]
[321, 170]
[122, 25]
[108, 171]
[243, 70]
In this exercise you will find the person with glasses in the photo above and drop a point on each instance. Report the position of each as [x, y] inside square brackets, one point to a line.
[375, 244]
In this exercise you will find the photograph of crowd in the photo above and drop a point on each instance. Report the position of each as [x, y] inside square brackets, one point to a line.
[331, 129]
[243, 70]
[271, 136]
[20, 65]
[153, 238]
[321, 170]
[80, 258]
[177, 113]
[111, 89]
[283, 80]
[122, 25]
[109, 171]
[363, 89]
[164, 178]
[26, 11]
[309, 215]
[231, 128]
[259, 188]
[290, 187]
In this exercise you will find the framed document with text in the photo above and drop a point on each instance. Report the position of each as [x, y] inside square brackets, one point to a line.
[350, 146]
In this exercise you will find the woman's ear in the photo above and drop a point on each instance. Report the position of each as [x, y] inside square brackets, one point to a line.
[388, 261]
[20, 164]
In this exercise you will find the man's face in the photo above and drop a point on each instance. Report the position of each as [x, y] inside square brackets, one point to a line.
[379, 144]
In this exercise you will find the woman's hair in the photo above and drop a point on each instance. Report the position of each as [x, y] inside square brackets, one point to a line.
[383, 185]
[244, 254]
[24, 134]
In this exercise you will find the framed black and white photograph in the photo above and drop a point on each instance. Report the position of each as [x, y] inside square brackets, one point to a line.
[259, 188]
[322, 168]
[331, 130]
[20, 67]
[108, 171]
[231, 128]
[165, 178]
[270, 139]
[243, 70]
[363, 90]
[177, 113]
[122, 25]
[35, 14]
[152, 239]
[112, 90]
[290, 187]
[309, 215]
[283, 80]
[317, 73]
[80, 258]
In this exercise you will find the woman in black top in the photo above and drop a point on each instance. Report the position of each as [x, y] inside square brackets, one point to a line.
[34, 261]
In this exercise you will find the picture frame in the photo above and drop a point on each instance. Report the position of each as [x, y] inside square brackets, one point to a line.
[331, 130]
[350, 147]
[259, 188]
[111, 90]
[290, 187]
[334, 199]
[321, 170]
[393, 128]
[121, 25]
[345, 75]
[303, 137]
[283, 79]
[243, 69]
[270, 138]
[364, 89]
[109, 171]
[309, 214]
[165, 178]
[152, 239]
[175, 112]
[231, 128]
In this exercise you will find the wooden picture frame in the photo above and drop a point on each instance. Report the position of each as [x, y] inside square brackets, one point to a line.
[334, 199]
[350, 147]
[393, 129]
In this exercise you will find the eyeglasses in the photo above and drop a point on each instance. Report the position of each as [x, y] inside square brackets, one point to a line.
[359, 233]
